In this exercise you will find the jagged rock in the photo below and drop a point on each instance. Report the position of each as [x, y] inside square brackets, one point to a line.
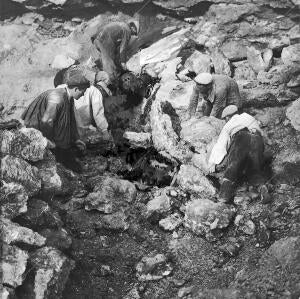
[39, 215]
[12, 233]
[138, 140]
[235, 50]
[220, 62]
[199, 63]
[286, 166]
[156, 53]
[153, 267]
[164, 136]
[13, 200]
[26, 143]
[110, 194]
[294, 82]
[191, 179]
[290, 54]
[203, 216]
[258, 61]
[13, 265]
[17, 170]
[171, 222]
[292, 113]
[160, 204]
[245, 224]
[51, 181]
[243, 71]
[59, 238]
[178, 94]
[116, 221]
[52, 272]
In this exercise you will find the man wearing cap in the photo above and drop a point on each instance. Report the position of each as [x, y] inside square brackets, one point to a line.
[90, 109]
[218, 92]
[112, 42]
[52, 112]
[240, 147]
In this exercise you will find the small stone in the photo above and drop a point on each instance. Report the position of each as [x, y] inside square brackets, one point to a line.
[62, 61]
[171, 222]
[116, 221]
[185, 291]
[173, 193]
[245, 225]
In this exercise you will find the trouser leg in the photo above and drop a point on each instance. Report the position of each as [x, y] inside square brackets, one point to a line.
[236, 162]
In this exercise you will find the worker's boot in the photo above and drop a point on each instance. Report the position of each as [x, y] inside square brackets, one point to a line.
[227, 191]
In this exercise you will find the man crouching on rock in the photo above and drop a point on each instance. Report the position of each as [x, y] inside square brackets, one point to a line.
[52, 112]
[240, 148]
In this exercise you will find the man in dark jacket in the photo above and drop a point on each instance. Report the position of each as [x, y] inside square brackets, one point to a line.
[112, 42]
[52, 112]
[218, 92]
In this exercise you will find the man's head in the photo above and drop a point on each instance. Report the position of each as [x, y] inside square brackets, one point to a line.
[102, 76]
[134, 27]
[76, 81]
[204, 82]
[229, 111]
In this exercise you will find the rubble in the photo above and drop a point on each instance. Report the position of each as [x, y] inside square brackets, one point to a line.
[171, 222]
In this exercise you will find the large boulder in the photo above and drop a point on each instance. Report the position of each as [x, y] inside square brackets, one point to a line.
[199, 63]
[13, 265]
[12, 233]
[292, 113]
[13, 200]
[191, 179]
[259, 61]
[52, 272]
[202, 134]
[164, 136]
[17, 170]
[204, 216]
[178, 94]
[110, 194]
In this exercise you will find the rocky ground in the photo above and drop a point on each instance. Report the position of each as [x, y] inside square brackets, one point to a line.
[147, 224]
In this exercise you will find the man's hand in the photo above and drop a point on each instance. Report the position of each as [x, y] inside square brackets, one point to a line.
[80, 145]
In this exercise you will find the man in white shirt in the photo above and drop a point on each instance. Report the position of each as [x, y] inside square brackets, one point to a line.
[241, 144]
[90, 109]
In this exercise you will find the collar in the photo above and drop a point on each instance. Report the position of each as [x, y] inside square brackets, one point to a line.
[211, 94]
[104, 86]
[68, 92]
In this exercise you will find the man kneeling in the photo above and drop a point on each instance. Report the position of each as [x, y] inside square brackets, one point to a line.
[52, 112]
[241, 148]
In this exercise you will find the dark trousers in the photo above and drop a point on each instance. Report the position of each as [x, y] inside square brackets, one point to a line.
[246, 157]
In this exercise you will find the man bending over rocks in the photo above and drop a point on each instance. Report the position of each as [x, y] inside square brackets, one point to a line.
[52, 112]
[241, 148]
[217, 91]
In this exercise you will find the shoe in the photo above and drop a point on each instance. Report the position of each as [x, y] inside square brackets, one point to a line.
[227, 191]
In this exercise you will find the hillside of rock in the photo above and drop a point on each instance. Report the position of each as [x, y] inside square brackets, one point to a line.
[146, 222]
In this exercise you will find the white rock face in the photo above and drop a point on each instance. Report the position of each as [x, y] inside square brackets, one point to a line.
[291, 54]
[192, 179]
[13, 265]
[164, 50]
[62, 61]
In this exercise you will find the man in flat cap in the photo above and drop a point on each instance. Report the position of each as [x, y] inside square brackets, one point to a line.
[112, 43]
[240, 148]
[52, 112]
[217, 91]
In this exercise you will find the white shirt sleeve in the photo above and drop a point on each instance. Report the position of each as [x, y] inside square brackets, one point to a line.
[98, 110]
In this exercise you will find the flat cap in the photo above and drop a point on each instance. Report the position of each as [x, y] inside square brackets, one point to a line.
[229, 110]
[203, 78]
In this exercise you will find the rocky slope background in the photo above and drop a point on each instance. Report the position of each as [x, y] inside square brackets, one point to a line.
[151, 228]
